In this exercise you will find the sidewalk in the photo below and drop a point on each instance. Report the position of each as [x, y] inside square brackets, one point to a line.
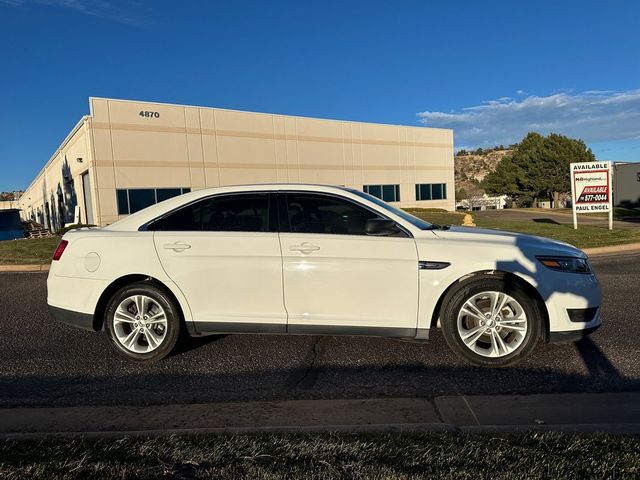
[25, 268]
[625, 248]
[593, 412]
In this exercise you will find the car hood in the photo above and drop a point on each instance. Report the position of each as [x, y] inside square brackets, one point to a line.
[479, 237]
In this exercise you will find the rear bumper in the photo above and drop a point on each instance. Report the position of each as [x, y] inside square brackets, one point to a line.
[75, 319]
[571, 335]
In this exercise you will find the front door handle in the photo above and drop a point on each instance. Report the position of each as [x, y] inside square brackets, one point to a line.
[304, 247]
[177, 246]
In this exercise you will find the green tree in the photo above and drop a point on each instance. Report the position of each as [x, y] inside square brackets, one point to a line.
[505, 179]
[546, 163]
[461, 194]
[539, 167]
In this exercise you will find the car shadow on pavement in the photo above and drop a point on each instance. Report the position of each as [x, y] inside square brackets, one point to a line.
[186, 343]
[596, 361]
[144, 385]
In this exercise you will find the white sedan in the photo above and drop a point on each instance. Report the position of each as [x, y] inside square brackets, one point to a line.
[321, 260]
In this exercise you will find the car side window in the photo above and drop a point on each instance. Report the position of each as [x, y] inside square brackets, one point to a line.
[237, 213]
[186, 219]
[226, 213]
[311, 213]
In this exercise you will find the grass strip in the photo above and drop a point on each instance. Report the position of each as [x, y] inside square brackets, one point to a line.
[587, 236]
[27, 251]
[322, 456]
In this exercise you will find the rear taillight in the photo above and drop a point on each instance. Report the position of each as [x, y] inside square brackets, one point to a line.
[60, 250]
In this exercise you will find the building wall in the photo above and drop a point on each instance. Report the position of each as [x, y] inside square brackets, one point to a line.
[52, 196]
[174, 146]
[626, 184]
[9, 204]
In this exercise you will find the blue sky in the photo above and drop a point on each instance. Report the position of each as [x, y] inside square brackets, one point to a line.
[492, 70]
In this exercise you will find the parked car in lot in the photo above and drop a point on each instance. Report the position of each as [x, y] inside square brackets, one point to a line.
[321, 260]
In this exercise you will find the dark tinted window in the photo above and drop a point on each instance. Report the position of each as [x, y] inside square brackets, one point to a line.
[388, 193]
[141, 198]
[437, 191]
[229, 213]
[237, 213]
[423, 191]
[123, 202]
[133, 200]
[187, 219]
[309, 213]
[167, 193]
[375, 190]
[431, 191]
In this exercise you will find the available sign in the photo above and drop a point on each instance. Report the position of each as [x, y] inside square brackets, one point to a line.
[591, 189]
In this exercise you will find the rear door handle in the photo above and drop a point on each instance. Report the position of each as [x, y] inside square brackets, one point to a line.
[304, 247]
[177, 246]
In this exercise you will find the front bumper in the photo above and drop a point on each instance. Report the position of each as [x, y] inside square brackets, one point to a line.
[571, 335]
[75, 319]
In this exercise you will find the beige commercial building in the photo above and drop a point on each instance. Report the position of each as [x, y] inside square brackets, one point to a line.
[126, 155]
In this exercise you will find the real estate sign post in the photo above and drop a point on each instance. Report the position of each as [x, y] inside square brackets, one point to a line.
[591, 189]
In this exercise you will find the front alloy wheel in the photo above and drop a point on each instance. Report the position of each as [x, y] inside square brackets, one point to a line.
[142, 322]
[492, 324]
[491, 321]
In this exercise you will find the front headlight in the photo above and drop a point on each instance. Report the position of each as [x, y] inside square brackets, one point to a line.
[566, 264]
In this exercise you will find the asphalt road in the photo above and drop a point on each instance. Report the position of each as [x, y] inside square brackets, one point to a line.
[43, 363]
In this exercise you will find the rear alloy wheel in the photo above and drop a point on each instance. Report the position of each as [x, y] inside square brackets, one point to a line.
[491, 322]
[142, 322]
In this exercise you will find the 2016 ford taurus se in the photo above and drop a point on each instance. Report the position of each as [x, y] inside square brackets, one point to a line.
[309, 259]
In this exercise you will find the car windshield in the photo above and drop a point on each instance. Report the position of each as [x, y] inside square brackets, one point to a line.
[415, 221]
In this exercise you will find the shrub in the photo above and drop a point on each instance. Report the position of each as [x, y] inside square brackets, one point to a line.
[63, 230]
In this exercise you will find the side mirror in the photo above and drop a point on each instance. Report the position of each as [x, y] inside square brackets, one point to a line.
[381, 227]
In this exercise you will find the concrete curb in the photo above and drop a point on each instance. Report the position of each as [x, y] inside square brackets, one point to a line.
[626, 248]
[25, 268]
[583, 412]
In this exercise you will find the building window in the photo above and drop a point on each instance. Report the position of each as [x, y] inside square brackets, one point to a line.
[134, 199]
[167, 193]
[431, 191]
[123, 202]
[388, 193]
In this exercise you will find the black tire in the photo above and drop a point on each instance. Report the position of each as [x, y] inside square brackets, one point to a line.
[170, 332]
[452, 306]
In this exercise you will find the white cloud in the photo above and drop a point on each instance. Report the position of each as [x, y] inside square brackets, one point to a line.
[593, 116]
[127, 12]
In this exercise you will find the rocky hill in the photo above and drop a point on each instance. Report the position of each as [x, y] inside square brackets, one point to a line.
[472, 167]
